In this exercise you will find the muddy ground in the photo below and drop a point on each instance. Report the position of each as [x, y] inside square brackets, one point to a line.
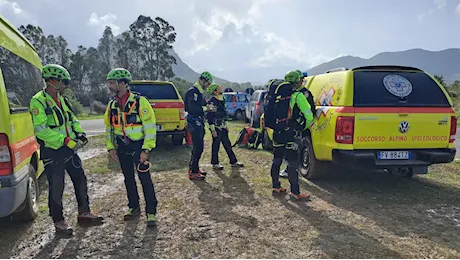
[233, 215]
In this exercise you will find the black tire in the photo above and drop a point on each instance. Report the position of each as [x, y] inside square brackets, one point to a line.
[310, 167]
[30, 207]
[177, 139]
[267, 144]
[239, 115]
[254, 123]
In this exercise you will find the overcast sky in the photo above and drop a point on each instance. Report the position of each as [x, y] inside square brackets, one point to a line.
[247, 40]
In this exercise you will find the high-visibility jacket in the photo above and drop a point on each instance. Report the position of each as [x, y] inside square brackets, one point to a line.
[136, 121]
[301, 111]
[51, 123]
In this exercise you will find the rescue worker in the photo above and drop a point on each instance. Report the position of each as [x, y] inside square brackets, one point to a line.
[285, 142]
[218, 126]
[304, 90]
[60, 135]
[196, 106]
[131, 136]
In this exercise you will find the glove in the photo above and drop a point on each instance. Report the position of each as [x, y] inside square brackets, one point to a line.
[82, 137]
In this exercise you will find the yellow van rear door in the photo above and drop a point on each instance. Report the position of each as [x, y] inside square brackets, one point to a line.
[400, 110]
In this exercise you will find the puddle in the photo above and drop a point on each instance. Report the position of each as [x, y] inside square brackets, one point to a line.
[90, 153]
[450, 213]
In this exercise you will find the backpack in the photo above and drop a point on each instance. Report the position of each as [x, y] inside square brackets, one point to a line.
[248, 138]
[276, 104]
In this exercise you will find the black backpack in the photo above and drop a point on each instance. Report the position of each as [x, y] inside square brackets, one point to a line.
[276, 104]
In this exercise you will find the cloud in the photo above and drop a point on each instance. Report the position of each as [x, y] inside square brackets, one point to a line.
[440, 4]
[457, 9]
[103, 21]
[15, 7]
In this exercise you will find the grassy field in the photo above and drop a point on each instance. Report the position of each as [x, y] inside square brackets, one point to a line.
[353, 214]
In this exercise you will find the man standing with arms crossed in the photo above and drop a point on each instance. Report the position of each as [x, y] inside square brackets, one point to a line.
[131, 135]
[59, 134]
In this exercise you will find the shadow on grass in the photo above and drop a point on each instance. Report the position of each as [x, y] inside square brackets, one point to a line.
[336, 239]
[220, 207]
[398, 205]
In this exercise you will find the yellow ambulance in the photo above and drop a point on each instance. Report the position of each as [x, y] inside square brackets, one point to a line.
[20, 167]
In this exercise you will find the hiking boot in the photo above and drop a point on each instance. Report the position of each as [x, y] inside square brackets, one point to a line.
[300, 196]
[238, 164]
[196, 176]
[61, 227]
[132, 213]
[203, 172]
[88, 217]
[284, 173]
[279, 190]
[151, 220]
[217, 167]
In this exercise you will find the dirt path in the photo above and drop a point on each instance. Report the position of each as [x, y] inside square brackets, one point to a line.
[233, 215]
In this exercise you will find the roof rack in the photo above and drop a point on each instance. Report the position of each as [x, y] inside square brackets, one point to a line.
[387, 67]
[336, 70]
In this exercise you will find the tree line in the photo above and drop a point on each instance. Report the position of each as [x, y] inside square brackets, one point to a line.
[145, 50]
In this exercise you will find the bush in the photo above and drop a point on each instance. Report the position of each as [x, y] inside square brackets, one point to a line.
[98, 107]
[453, 94]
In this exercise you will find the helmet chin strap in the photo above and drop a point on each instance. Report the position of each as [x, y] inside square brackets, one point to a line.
[54, 86]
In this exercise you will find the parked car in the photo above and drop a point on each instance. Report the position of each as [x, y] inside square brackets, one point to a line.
[379, 117]
[168, 106]
[20, 166]
[255, 108]
[236, 104]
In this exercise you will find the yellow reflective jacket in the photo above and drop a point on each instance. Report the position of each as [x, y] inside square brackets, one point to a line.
[51, 123]
[136, 120]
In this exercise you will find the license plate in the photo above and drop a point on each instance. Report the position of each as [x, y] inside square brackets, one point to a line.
[158, 127]
[394, 155]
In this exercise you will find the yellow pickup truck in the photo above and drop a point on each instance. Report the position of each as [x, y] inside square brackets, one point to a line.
[378, 117]
[168, 106]
[20, 166]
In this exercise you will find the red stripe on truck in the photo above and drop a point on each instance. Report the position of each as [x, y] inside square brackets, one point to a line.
[167, 104]
[396, 110]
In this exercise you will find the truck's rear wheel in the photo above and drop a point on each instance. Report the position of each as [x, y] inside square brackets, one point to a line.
[239, 115]
[30, 208]
[310, 167]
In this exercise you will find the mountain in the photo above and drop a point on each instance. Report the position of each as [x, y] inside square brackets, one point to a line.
[445, 62]
[183, 71]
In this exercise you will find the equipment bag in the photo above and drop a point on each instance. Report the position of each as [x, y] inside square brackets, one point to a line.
[277, 110]
[248, 138]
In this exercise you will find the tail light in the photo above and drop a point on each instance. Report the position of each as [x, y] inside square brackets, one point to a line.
[182, 111]
[344, 129]
[258, 108]
[234, 101]
[6, 161]
[453, 129]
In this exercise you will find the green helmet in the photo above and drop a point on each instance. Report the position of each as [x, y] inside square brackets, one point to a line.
[300, 73]
[207, 76]
[119, 73]
[54, 71]
[292, 76]
[212, 87]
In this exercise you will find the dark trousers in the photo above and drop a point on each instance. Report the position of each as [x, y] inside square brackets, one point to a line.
[128, 155]
[55, 172]
[222, 137]
[196, 128]
[286, 147]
